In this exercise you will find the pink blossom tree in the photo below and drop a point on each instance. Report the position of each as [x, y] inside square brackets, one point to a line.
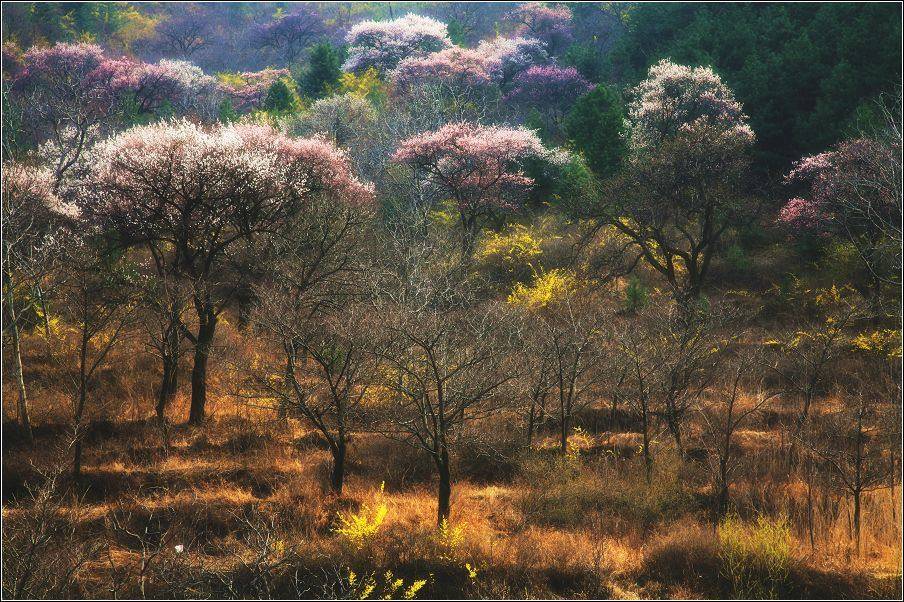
[479, 167]
[854, 191]
[682, 186]
[513, 55]
[552, 24]
[248, 90]
[67, 95]
[208, 203]
[549, 89]
[385, 44]
[460, 78]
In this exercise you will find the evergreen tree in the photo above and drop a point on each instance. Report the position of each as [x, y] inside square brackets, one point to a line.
[596, 127]
[323, 72]
[281, 98]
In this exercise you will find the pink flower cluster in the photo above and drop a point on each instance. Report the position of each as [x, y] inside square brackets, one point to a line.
[801, 214]
[511, 56]
[82, 73]
[856, 181]
[32, 190]
[385, 44]
[549, 85]
[462, 68]
[552, 24]
[676, 98]
[479, 166]
[491, 63]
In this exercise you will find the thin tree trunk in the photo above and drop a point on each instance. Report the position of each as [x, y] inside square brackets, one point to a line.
[445, 487]
[22, 403]
[647, 458]
[80, 406]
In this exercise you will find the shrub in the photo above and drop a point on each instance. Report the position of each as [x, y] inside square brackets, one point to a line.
[565, 494]
[359, 530]
[755, 558]
[384, 587]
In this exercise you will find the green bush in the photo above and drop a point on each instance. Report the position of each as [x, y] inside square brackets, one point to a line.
[755, 559]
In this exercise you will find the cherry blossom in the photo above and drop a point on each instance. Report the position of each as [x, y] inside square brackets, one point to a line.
[384, 44]
[676, 99]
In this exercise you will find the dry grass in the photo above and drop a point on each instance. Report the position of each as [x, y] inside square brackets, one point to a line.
[245, 496]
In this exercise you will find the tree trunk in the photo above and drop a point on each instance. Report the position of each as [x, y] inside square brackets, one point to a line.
[675, 430]
[203, 345]
[337, 476]
[170, 359]
[22, 404]
[563, 419]
[282, 410]
[531, 421]
[168, 385]
[857, 493]
[445, 487]
[80, 406]
[647, 458]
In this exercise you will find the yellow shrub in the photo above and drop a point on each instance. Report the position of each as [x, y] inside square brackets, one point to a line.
[361, 528]
[448, 540]
[364, 85]
[512, 248]
[389, 587]
[547, 288]
[884, 342]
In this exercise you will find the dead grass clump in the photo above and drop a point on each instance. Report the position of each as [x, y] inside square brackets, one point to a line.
[559, 493]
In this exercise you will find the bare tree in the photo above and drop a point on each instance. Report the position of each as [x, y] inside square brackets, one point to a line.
[722, 418]
[97, 297]
[812, 344]
[44, 551]
[446, 356]
[854, 443]
[185, 31]
[32, 216]
[571, 348]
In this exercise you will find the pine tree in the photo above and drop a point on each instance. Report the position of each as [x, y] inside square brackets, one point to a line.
[323, 71]
[595, 126]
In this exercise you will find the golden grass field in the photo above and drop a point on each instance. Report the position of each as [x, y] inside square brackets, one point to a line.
[240, 507]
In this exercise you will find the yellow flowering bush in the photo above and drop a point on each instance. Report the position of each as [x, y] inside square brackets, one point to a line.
[359, 529]
[547, 288]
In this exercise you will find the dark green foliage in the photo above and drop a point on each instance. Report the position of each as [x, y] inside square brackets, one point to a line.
[800, 70]
[636, 295]
[596, 127]
[280, 98]
[323, 72]
[227, 112]
[588, 60]
[456, 32]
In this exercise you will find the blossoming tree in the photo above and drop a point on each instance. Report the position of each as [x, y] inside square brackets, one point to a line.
[551, 90]
[67, 96]
[206, 202]
[479, 167]
[384, 44]
[681, 188]
[552, 24]
[854, 192]
[513, 55]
